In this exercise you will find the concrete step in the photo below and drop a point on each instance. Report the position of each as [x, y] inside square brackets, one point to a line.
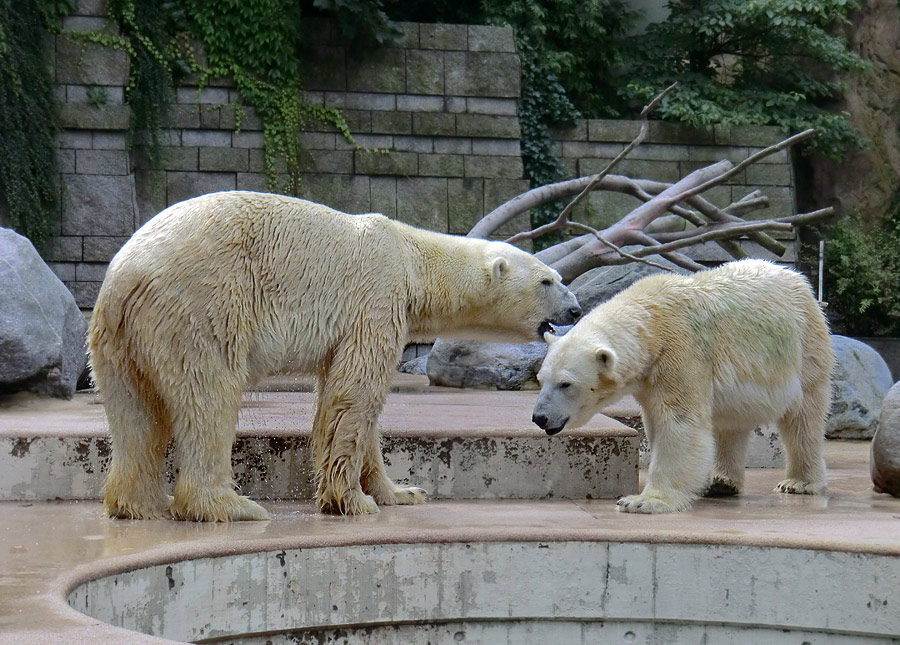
[457, 444]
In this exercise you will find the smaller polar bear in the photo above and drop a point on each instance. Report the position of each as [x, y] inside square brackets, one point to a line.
[709, 357]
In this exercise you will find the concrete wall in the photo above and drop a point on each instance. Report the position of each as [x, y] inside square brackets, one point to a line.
[442, 103]
[506, 592]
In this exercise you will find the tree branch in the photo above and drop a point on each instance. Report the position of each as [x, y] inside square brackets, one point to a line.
[587, 256]
[617, 249]
[676, 258]
[729, 229]
[563, 218]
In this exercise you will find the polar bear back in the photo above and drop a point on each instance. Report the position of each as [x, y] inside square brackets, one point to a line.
[751, 329]
[277, 263]
[744, 314]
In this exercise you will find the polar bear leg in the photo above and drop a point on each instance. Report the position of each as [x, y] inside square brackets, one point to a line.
[803, 435]
[728, 471]
[681, 456]
[339, 459]
[204, 430]
[377, 484]
[134, 488]
[350, 396]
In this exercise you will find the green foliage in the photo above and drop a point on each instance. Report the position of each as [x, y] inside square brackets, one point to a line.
[544, 103]
[568, 51]
[578, 44]
[363, 22]
[257, 43]
[97, 96]
[862, 275]
[750, 62]
[29, 181]
[148, 26]
[146, 31]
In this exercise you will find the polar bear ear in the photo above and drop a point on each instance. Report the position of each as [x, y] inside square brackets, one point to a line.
[606, 357]
[499, 266]
[550, 338]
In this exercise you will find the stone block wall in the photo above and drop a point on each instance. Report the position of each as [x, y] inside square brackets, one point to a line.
[434, 117]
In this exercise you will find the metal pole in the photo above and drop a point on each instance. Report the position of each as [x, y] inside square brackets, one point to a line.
[821, 266]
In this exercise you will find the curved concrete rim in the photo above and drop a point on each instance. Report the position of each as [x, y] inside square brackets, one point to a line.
[727, 564]
[173, 553]
[54, 547]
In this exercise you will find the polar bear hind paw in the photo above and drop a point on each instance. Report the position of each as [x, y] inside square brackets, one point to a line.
[721, 486]
[122, 510]
[798, 487]
[648, 504]
[354, 502]
[225, 508]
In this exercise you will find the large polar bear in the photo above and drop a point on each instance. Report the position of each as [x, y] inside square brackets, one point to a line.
[218, 291]
[709, 357]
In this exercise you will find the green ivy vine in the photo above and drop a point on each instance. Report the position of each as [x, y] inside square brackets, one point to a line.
[568, 51]
[29, 180]
[144, 33]
[255, 43]
[544, 103]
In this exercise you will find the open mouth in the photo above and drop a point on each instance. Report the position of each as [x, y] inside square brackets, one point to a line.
[545, 327]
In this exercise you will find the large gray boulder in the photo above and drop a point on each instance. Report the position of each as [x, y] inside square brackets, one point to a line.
[602, 283]
[42, 331]
[859, 384]
[413, 366]
[884, 462]
[500, 366]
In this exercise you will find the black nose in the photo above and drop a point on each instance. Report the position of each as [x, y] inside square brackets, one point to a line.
[575, 312]
[539, 419]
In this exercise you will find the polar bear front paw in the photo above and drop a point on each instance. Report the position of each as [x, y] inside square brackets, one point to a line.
[387, 493]
[648, 504]
[354, 502]
[411, 495]
[798, 487]
[722, 486]
[229, 507]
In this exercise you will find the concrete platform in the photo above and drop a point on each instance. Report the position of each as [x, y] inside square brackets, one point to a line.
[455, 444]
[760, 568]
[836, 556]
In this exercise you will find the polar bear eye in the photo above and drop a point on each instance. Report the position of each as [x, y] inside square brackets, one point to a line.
[547, 281]
[563, 386]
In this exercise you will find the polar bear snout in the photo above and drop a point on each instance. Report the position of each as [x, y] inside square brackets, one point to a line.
[565, 319]
[543, 422]
[572, 315]
[567, 316]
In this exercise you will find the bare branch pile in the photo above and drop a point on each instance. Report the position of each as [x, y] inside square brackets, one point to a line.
[650, 226]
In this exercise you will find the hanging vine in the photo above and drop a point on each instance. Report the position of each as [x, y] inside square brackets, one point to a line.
[29, 180]
[255, 43]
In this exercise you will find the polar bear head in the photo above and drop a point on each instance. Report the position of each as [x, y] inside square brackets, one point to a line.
[581, 375]
[520, 298]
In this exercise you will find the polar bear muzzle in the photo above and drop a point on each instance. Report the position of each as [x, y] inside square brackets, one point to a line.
[566, 312]
[544, 422]
[551, 411]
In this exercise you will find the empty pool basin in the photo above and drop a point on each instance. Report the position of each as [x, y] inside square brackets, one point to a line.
[508, 592]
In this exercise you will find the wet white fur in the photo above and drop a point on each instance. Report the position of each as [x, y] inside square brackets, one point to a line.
[709, 357]
[218, 291]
